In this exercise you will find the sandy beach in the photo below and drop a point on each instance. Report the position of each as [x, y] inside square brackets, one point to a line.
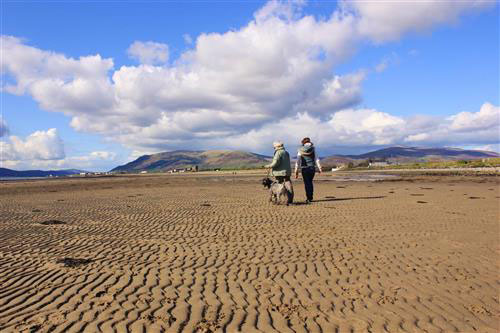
[208, 253]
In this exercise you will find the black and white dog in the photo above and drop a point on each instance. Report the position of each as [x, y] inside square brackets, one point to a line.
[276, 190]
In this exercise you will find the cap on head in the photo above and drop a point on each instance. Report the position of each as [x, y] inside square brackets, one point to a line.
[277, 144]
[305, 140]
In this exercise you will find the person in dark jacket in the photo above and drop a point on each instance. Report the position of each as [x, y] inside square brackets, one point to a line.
[307, 161]
[281, 168]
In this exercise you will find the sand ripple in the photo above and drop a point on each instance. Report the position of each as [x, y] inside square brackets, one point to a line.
[202, 254]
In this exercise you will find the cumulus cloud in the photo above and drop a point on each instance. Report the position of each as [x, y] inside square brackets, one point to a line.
[149, 53]
[368, 128]
[383, 21]
[347, 127]
[487, 118]
[40, 145]
[481, 127]
[56, 82]
[45, 149]
[277, 70]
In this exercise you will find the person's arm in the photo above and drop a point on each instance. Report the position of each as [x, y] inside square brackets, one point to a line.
[319, 165]
[298, 164]
[274, 162]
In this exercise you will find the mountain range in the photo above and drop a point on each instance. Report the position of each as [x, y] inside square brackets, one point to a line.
[230, 159]
[4, 172]
[227, 159]
[403, 154]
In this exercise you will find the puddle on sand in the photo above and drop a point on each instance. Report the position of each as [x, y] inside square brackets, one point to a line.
[360, 178]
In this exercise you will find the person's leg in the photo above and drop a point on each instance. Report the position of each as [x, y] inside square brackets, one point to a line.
[305, 178]
[289, 189]
[308, 175]
[311, 184]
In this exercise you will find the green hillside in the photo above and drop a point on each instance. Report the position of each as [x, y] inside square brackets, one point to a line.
[211, 159]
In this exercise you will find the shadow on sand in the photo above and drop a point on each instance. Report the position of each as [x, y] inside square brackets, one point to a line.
[342, 199]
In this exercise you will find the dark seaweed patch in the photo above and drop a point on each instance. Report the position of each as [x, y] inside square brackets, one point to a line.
[73, 262]
[52, 222]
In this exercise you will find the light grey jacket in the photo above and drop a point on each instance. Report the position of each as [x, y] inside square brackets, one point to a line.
[281, 163]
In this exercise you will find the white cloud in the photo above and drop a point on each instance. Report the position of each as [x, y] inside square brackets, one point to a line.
[487, 117]
[278, 70]
[149, 53]
[58, 83]
[335, 94]
[366, 128]
[45, 149]
[420, 137]
[94, 160]
[352, 127]
[383, 21]
[491, 147]
[40, 145]
[479, 128]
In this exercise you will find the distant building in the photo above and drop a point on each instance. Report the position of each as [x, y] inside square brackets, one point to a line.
[144, 171]
[378, 164]
[182, 170]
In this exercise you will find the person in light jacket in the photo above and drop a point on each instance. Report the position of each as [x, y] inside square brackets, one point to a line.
[307, 161]
[281, 168]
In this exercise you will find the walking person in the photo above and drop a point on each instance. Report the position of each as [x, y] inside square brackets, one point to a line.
[281, 168]
[307, 161]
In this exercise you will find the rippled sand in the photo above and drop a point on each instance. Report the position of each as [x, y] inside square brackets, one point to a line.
[194, 253]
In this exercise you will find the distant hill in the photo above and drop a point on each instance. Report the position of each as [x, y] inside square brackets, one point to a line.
[228, 159]
[412, 154]
[4, 172]
[210, 159]
[426, 153]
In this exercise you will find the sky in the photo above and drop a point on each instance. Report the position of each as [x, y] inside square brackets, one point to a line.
[95, 84]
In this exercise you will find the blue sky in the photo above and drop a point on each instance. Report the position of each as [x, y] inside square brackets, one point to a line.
[237, 75]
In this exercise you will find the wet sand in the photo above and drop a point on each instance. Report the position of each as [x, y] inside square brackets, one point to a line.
[208, 253]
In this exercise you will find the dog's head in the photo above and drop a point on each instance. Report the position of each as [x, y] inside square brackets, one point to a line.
[267, 182]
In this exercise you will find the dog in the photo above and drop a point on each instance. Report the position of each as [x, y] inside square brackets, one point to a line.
[276, 190]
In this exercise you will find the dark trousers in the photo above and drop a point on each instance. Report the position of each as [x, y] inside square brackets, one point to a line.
[308, 176]
[288, 186]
